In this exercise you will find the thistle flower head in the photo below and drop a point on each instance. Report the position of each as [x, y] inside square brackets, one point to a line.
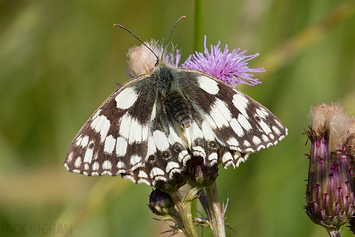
[330, 188]
[231, 68]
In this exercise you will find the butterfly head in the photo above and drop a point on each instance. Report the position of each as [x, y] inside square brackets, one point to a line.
[143, 59]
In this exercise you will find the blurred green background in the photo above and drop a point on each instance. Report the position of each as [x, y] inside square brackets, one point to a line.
[59, 60]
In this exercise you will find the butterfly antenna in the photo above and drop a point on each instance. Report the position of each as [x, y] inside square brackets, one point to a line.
[166, 44]
[138, 38]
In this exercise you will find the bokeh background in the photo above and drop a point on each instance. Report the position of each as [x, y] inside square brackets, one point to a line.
[59, 60]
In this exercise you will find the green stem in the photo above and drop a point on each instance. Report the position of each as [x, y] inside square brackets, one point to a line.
[217, 216]
[175, 215]
[198, 37]
[184, 208]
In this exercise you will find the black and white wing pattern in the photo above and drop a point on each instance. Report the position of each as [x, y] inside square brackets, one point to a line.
[150, 127]
[237, 123]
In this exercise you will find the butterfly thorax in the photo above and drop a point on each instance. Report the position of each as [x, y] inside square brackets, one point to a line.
[174, 103]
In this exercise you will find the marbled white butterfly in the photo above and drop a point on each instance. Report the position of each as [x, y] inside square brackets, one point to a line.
[151, 126]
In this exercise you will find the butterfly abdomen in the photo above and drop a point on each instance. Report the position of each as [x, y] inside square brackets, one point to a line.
[177, 107]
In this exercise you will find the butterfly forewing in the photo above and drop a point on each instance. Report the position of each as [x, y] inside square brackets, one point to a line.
[130, 134]
[149, 128]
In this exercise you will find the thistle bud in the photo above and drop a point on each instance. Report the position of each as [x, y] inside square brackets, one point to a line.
[330, 188]
[160, 203]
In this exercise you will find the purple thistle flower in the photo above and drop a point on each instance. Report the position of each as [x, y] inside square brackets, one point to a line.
[231, 68]
[173, 59]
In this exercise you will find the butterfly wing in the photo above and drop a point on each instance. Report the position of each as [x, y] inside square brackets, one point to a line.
[106, 138]
[130, 135]
[239, 124]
